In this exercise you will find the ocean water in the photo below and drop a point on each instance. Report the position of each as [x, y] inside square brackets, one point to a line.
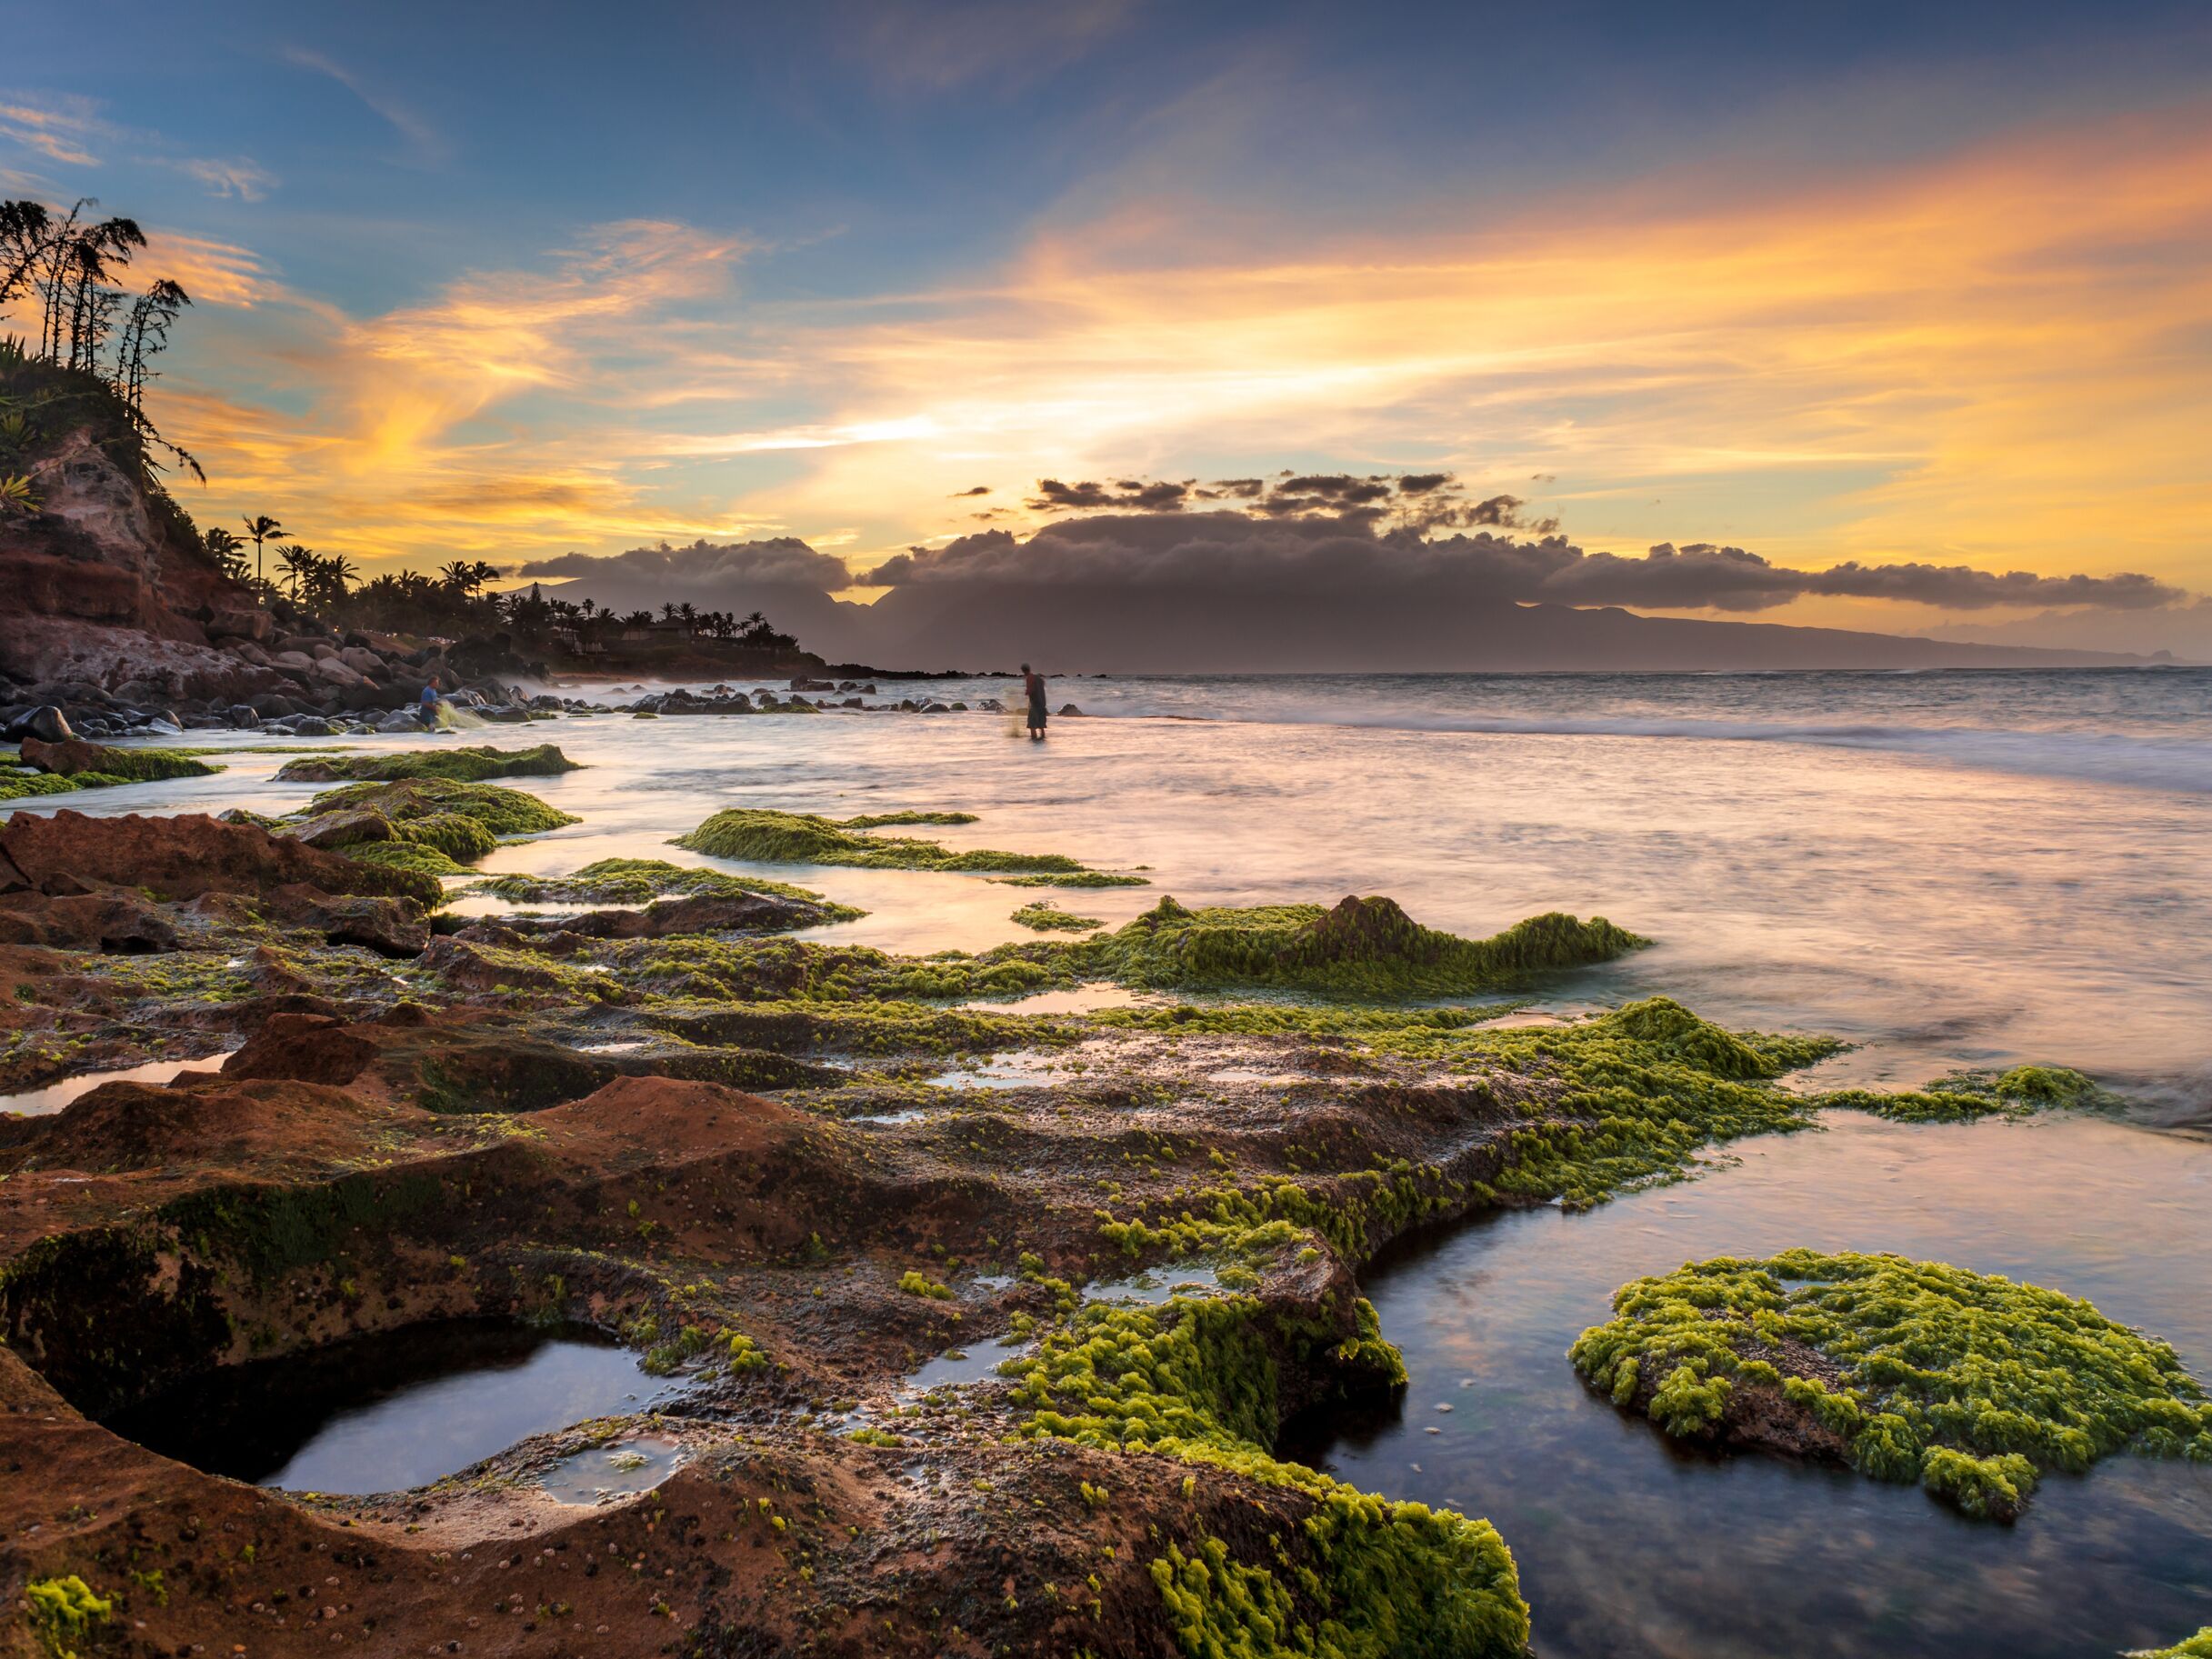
[1946, 869]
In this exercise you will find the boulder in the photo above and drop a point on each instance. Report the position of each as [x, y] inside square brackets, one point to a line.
[342, 828]
[114, 921]
[67, 852]
[64, 759]
[46, 724]
[390, 927]
[240, 623]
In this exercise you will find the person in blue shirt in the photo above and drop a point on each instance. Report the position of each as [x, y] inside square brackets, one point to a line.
[430, 703]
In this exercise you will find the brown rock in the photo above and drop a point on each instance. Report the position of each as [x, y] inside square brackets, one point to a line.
[303, 1048]
[117, 922]
[69, 852]
[343, 828]
[390, 927]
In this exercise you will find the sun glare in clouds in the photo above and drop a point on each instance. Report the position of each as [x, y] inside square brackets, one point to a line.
[1998, 357]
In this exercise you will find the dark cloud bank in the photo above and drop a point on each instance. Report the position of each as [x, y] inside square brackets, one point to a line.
[1323, 573]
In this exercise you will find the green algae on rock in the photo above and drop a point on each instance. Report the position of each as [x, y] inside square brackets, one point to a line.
[1042, 917]
[25, 785]
[66, 767]
[1072, 878]
[1364, 947]
[1197, 1380]
[2199, 1646]
[882, 820]
[637, 881]
[760, 836]
[1967, 1382]
[64, 1611]
[419, 856]
[470, 765]
[1964, 1096]
[503, 812]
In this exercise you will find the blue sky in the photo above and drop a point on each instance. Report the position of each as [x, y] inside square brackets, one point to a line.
[757, 242]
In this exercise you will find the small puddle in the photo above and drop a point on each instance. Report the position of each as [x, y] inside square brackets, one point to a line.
[957, 1365]
[621, 1470]
[40, 1102]
[388, 1412]
[1082, 999]
[911, 1114]
[1016, 1071]
[1156, 1285]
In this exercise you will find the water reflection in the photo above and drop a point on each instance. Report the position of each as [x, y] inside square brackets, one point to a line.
[1627, 1544]
[380, 1413]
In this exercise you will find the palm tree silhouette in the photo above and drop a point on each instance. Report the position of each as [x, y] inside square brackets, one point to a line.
[258, 530]
[298, 563]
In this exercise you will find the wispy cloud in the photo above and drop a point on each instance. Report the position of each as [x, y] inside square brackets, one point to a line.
[247, 180]
[427, 145]
[57, 127]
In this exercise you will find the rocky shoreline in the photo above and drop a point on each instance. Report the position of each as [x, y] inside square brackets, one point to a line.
[792, 1174]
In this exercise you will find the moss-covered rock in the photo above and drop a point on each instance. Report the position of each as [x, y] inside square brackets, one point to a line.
[503, 812]
[27, 785]
[469, 764]
[1966, 1095]
[1966, 1383]
[2199, 1646]
[639, 880]
[1044, 918]
[1364, 947]
[87, 762]
[413, 855]
[762, 837]
[1197, 1380]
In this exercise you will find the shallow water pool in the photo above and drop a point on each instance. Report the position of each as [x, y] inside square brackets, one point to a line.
[1627, 1544]
[384, 1413]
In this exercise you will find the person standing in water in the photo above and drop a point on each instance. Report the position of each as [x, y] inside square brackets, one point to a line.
[429, 707]
[1034, 684]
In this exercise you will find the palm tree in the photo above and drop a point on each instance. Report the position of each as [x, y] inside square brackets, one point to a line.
[461, 576]
[258, 530]
[223, 548]
[298, 563]
[668, 611]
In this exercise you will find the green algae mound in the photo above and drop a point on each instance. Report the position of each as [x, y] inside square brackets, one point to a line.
[1966, 1095]
[418, 857]
[1072, 878]
[1363, 1577]
[639, 880]
[66, 767]
[1362, 947]
[471, 765]
[2199, 1646]
[881, 820]
[760, 836]
[1041, 917]
[502, 812]
[64, 1611]
[24, 786]
[1967, 1382]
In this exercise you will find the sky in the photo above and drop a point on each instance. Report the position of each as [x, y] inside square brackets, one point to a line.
[1891, 286]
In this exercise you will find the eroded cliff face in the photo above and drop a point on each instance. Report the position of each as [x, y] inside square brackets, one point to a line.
[105, 583]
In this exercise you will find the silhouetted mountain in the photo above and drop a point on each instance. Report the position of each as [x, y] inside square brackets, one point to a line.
[1074, 629]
